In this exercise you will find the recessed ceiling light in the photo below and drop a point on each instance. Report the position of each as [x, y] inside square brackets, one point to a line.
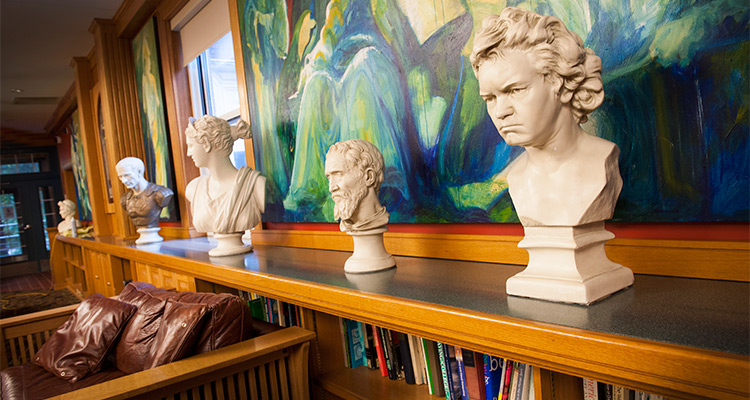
[16, 90]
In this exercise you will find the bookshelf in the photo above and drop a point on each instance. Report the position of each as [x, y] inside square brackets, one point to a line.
[677, 337]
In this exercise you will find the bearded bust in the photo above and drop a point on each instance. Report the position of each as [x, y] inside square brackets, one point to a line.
[354, 169]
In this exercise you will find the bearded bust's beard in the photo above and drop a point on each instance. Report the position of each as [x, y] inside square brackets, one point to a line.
[346, 203]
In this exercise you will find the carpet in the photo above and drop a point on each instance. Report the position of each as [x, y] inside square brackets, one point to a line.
[19, 303]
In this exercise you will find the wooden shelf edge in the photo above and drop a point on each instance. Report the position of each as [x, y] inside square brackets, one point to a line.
[725, 260]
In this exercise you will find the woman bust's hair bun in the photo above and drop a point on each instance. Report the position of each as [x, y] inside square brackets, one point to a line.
[242, 131]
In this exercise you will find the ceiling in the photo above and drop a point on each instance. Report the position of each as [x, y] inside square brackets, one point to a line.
[38, 40]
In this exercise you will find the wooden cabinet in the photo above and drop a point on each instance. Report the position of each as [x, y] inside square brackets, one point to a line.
[677, 337]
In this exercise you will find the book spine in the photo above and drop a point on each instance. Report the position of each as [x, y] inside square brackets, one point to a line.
[445, 370]
[356, 346]
[521, 380]
[462, 373]
[492, 370]
[345, 341]
[379, 351]
[474, 369]
[589, 389]
[508, 377]
[406, 359]
[415, 362]
[385, 337]
[430, 381]
[370, 352]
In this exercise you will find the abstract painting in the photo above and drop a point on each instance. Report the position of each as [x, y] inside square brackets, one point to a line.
[153, 122]
[79, 169]
[396, 72]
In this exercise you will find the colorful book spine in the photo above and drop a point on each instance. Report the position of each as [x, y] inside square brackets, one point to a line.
[474, 369]
[462, 373]
[508, 377]
[493, 369]
[356, 343]
[379, 351]
[433, 368]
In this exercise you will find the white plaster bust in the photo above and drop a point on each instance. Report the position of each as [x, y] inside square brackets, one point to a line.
[143, 200]
[539, 84]
[226, 200]
[355, 171]
[69, 226]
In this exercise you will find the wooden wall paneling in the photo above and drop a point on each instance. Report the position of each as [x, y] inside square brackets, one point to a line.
[179, 110]
[91, 155]
[726, 260]
[164, 278]
[120, 108]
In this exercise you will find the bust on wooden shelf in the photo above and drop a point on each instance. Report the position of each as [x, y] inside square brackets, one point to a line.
[69, 225]
[539, 83]
[227, 201]
[143, 201]
[354, 169]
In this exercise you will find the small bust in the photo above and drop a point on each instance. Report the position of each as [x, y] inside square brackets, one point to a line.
[226, 200]
[539, 83]
[144, 200]
[69, 225]
[354, 169]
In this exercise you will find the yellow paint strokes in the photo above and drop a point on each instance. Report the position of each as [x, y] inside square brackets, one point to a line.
[305, 34]
[427, 16]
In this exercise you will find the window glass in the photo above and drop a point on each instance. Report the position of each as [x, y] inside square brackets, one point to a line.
[214, 90]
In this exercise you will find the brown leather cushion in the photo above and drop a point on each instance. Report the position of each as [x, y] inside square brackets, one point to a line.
[138, 336]
[29, 381]
[80, 346]
[177, 334]
[229, 320]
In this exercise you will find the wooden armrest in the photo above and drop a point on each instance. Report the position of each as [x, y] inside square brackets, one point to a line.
[38, 316]
[186, 373]
[22, 336]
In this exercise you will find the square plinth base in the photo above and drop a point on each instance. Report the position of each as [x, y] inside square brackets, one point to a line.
[570, 291]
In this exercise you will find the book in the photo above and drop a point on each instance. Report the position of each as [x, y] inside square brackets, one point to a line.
[406, 359]
[523, 380]
[417, 360]
[379, 351]
[474, 369]
[590, 391]
[513, 381]
[370, 352]
[256, 308]
[398, 364]
[449, 370]
[462, 373]
[434, 376]
[507, 379]
[493, 369]
[356, 343]
[390, 354]
[344, 341]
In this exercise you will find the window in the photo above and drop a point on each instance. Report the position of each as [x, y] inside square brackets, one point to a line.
[24, 163]
[214, 91]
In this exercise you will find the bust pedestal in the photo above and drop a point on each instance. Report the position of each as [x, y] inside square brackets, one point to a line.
[149, 235]
[568, 264]
[369, 252]
[229, 244]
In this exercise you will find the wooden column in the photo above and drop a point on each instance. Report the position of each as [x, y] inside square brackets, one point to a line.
[91, 155]
[114, 59]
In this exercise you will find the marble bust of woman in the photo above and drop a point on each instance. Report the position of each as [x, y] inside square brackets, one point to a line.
[227, 201]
